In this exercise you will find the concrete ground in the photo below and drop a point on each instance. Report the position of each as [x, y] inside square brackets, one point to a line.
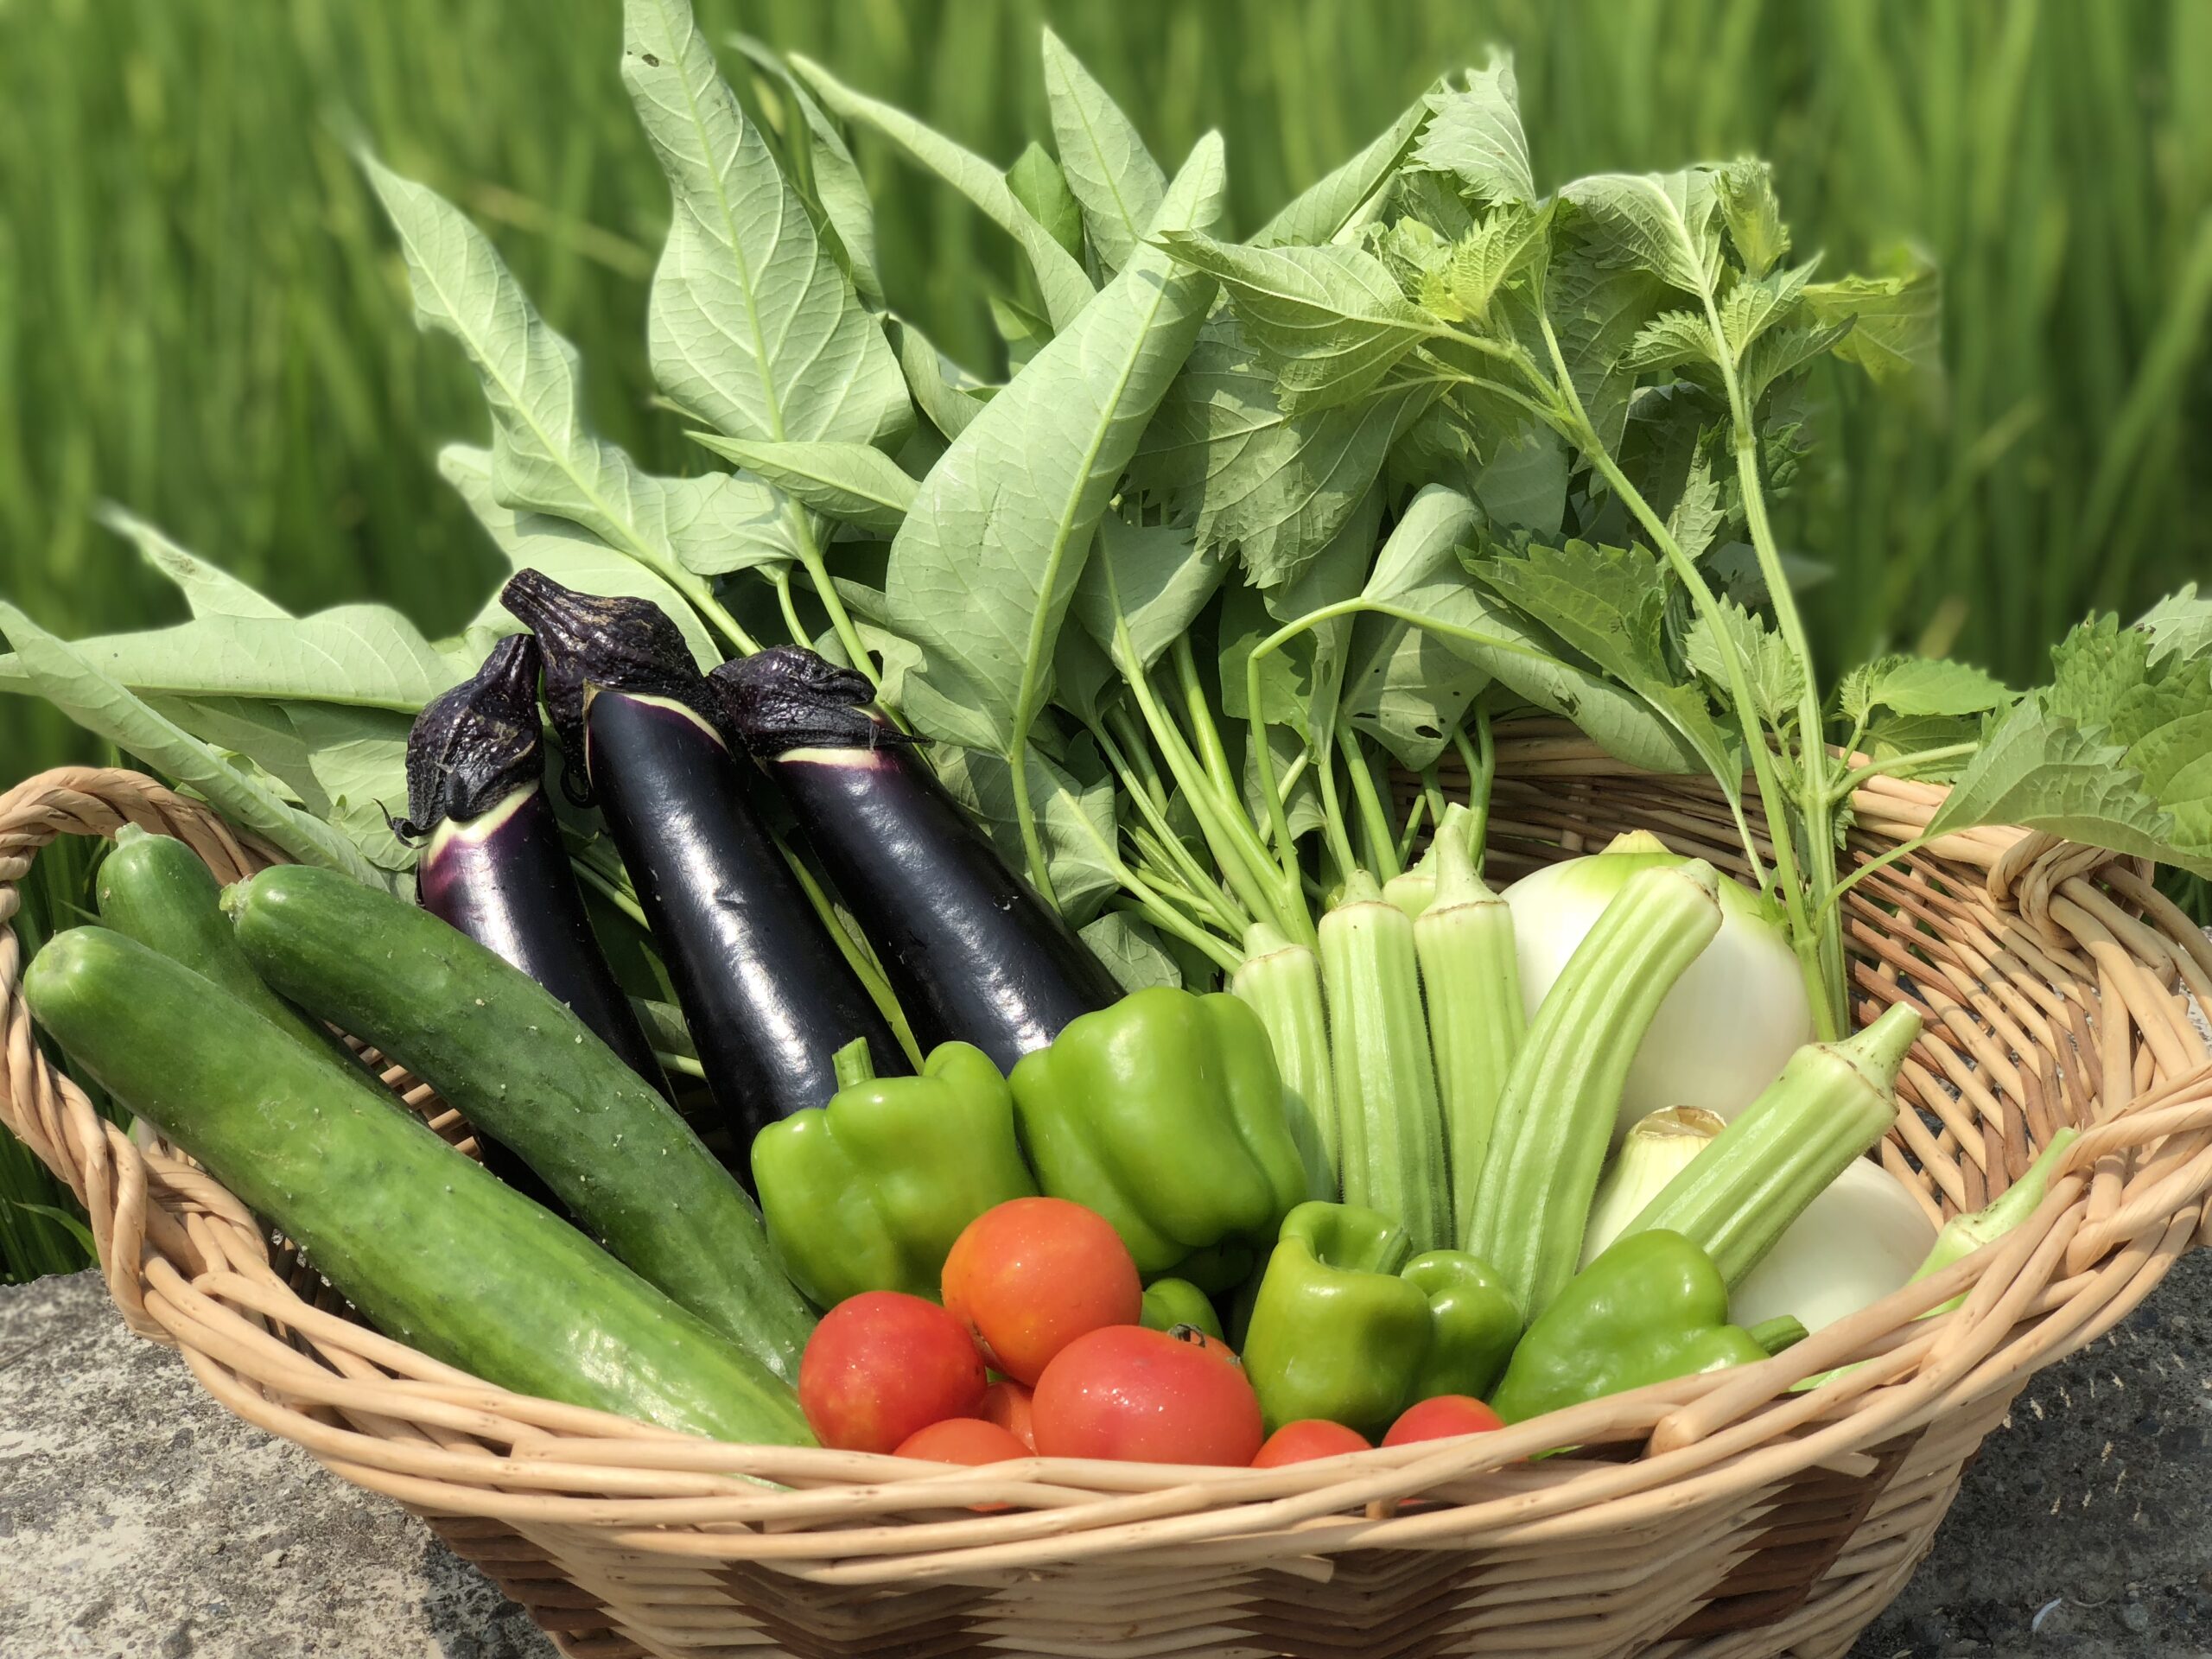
[138, 1520]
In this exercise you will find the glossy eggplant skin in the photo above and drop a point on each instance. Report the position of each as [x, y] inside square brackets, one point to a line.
[768, 996]
[504, 880]
[972, 953]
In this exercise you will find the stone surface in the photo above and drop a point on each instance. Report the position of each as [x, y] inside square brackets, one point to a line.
[138, 1518]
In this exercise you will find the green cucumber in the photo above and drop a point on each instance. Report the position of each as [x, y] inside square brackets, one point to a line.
[154, 889]
[527, 1071]
[438, 1253]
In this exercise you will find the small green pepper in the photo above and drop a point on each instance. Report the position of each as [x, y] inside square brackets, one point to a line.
[1165, 1114]
[1651, 1307]
[869, 1192]
[1171, 1302]
[1346, 1327]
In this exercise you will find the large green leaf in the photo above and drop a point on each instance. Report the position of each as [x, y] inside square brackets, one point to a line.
[1130, 952]
[1059, 277]
[942, 388]
[1609, 605]
[2182, 622]
[1666, 224]
[853, 483]
[1153, 579]
[1106, 165]
[1895, 320]
[1273, 486]
[1405, 685]
[78, 687]
[1919, 686]
[568, 553]
[1074, 817]
[982, 571]
[544, 457]
[1329, 321]
[1475, 134]
[1320, 212]
[1598, 310]
[1040, 186]
[209, 591]
[752, 323]
[838, 187]
[367, 656]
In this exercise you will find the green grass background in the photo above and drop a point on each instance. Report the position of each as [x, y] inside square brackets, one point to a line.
[202, 318]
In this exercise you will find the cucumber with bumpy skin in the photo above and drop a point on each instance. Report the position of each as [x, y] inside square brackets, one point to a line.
[437, 1252]
[522, 1067]
[154, 889]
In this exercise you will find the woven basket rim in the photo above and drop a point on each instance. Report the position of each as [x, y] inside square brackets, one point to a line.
[190, 1266]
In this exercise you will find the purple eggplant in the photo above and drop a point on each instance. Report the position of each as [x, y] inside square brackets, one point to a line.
[768, 995]
[972, 953]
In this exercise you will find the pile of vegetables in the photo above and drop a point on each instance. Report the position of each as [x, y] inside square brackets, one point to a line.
[1073, 791]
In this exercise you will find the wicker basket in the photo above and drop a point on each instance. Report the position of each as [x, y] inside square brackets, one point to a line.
[1723, 1514]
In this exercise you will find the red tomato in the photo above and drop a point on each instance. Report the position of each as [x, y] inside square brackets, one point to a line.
[1030, 1276]
[1146, 1397]
[881, 1365]
[1308, 1438]
[963, 1439]
[1444, 1418]
[1008, 1405]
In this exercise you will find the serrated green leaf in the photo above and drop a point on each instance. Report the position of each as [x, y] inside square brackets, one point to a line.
[1774, 357]
[1670, 338]
[1919, 686]
[1514, 238]
[1039, 185]
[80, 688]
[751, 323]
[1776, 678]
[1074, 816]
[1522, 483]
[1474, 133]
[2042, 771]
[1107, 168]
[543, 458]
[983, 570]
[1666, 224]
[1060, 278]
[1321, 213]
[1894, 320]
[1301, 681]
[1131, 951]
[568, 553]
[838, 187]
[852, 483]
[1329, 321]
[1415, 256]
[1275, 486]
[1754, 305]
[1893, 737]
[1597, 309]
[2182, 622]
[207, 590]
[1152, 578]
[1753, 214]
[1609, 605]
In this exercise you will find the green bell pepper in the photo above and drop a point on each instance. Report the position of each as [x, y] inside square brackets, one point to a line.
[1165, 1114]
[1346, 1327]
[869, 1192]
[1651, 1308]
[1171, 1302]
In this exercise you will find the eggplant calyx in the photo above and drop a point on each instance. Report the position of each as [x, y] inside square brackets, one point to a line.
[608, 640]
[787, 697]
[477, 744]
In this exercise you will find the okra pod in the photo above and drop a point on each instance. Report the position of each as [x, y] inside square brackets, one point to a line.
[1832, 1103]
[1281, 981]
[1556, 1116]
[1471, 977]
[1391, 1133]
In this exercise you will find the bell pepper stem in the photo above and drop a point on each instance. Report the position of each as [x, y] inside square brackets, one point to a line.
[1785, 1331]
[854, 1064]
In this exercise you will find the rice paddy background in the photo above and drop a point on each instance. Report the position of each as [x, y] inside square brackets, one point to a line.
[202, 318]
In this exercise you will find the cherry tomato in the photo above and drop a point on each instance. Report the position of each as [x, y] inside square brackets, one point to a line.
[1031, 1275]
[881, 1365]
[1146, 1397]
[1007, 1404]
[963, 1439]
[1443, 1418]
[1308, 1438]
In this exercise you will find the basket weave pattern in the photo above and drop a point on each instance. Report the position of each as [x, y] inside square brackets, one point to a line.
[1716, 1516]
